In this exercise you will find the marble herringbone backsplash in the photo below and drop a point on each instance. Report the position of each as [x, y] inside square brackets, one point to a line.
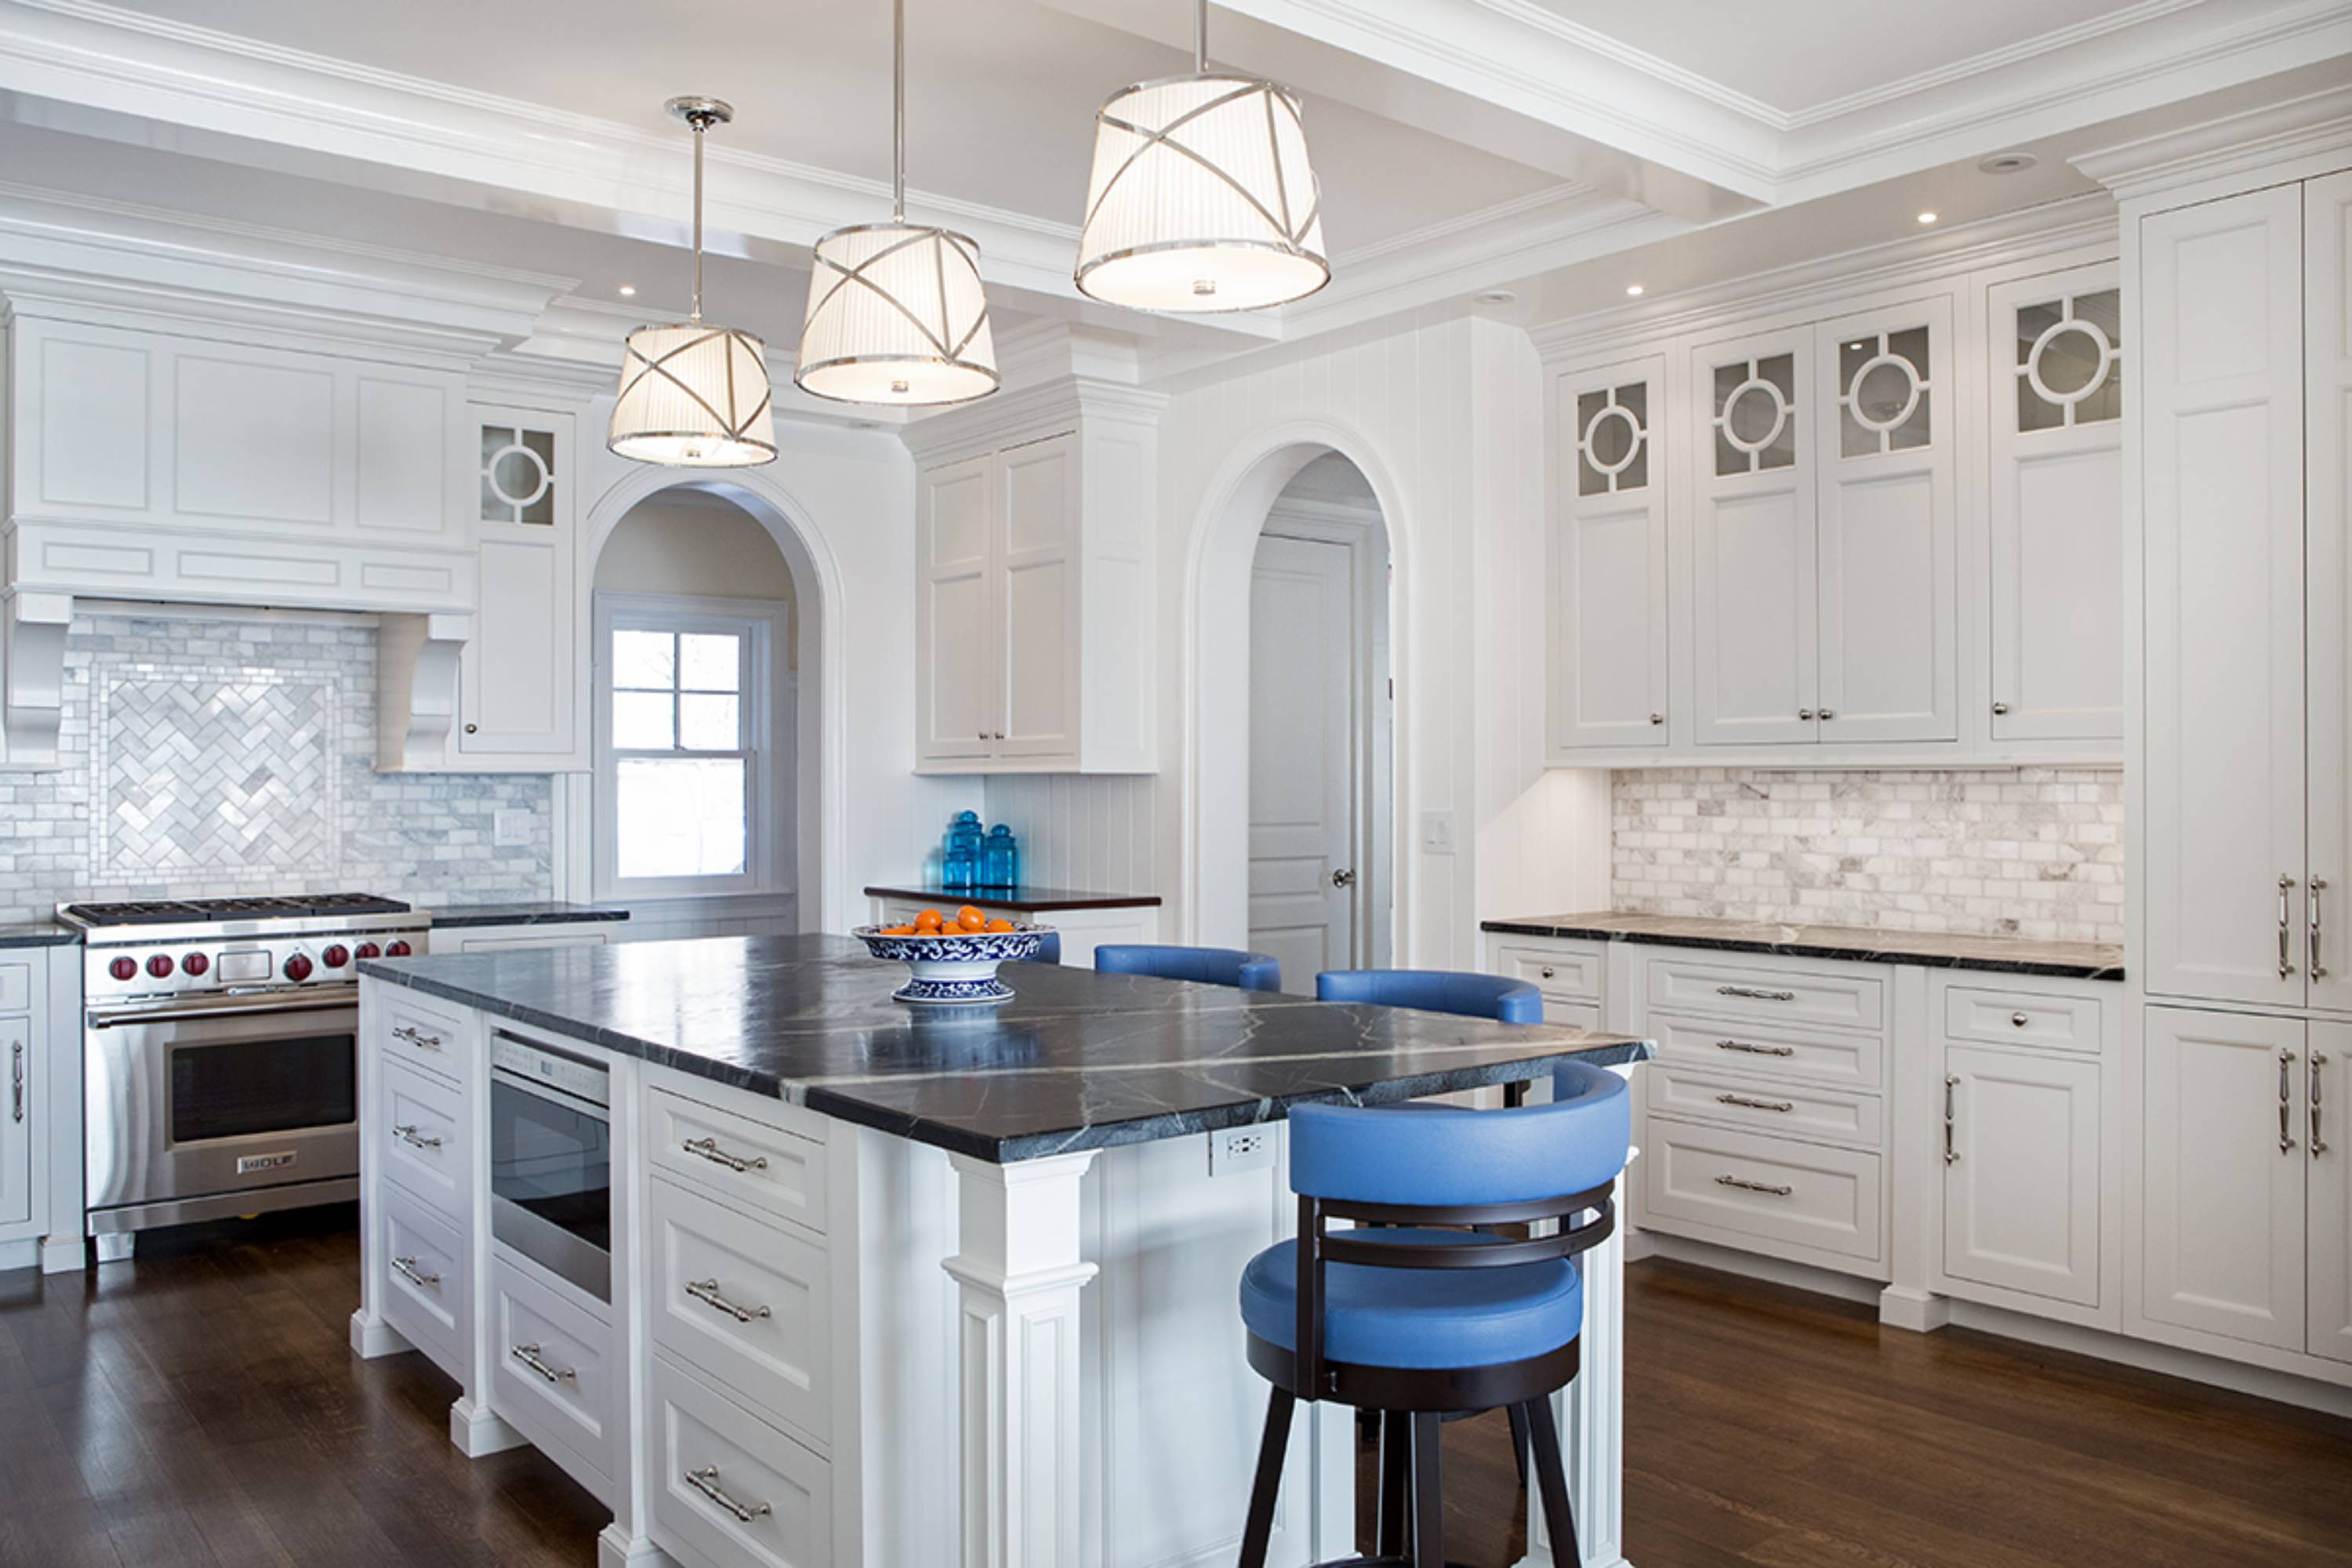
[235, 755]
[2034, 852]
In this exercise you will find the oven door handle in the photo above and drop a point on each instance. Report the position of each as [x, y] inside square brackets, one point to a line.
[255, 1008]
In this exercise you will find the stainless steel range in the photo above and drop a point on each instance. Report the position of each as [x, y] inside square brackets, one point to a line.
[221, 1047]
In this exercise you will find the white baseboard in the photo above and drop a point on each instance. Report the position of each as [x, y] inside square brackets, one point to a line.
[26, 1254]
[373, 1336]
[1907, 1306]
[616, 1548]
[476, 1432]
[1755, 1266]
[64, 1254]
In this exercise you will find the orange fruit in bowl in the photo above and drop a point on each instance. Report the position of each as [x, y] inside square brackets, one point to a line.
[930, 920]
[897, 931]
[999, 923]
[971, 919]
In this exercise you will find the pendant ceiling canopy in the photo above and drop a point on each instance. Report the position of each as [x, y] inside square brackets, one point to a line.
[692, 395]
[1202, 198]
[897, 314]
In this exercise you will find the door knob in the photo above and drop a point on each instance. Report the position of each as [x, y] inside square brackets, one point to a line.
[1343, 878]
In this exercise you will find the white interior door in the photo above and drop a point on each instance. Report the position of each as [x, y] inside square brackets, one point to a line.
[1302, 838]
[2055, 502]
[2222, 1166]
[2221, 470]
[1756, 585]
[2021, 1172]
[2330, 1252]
[1608, 562]
[955, 617]
[2327, 498]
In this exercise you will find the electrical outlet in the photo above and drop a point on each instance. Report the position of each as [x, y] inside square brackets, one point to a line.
[1234, 1149]
[509, 829]
[1437, 832]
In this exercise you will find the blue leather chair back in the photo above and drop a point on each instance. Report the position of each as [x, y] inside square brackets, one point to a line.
[1049, 950]
[1435, 991]
[1208, 965]
[1439, 1156]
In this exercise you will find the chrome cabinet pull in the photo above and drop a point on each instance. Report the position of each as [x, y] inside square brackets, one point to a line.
[709, 1150]
[1999, 709]
[705, 1482]
[1952, 1153]
[1828, 714]
[2287, 1103]
[1766, 1188]
[2018, 1020]
[2318, 1144]
[406, 1266]
[17, 1080]
[707, 1292]
[416, 1037]
[2286, 964]
[1343, 878]
[1754, 1104]
[528, 1357]
[1657, 718]
[1806, 714]
[1755, 994]
[2311, 959]
[1548, 971]
[1754, 1050]
[409, 1134]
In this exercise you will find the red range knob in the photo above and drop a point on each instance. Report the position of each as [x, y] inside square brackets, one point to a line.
[336, 956]
[298, 968]
[397, 950]
[370, 949]
[124, 969]
[161, 967]
[195, 963]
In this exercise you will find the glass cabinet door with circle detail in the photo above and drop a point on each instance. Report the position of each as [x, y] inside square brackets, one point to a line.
[2055, 510]
[1607, 561]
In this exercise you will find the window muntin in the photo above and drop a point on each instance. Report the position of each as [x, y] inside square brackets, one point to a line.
[2069, 361]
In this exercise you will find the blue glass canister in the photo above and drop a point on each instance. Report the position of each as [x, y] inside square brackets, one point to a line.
[1000, 859]
[959, 865]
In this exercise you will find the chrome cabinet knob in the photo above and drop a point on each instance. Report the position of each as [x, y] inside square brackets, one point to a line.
[1806, 714]
[1343, 878]
[1999, 709]
[1827, 715]
[1657, 718]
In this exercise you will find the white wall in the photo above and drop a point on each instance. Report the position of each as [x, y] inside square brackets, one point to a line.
[683, 541]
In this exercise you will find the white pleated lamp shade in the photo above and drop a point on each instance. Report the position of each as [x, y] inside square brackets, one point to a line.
[694, 396]
[1202, 199]
[897, 315]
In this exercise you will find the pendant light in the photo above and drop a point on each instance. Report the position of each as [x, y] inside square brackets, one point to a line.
[1201, 198]
[897, 314]
[694, 396]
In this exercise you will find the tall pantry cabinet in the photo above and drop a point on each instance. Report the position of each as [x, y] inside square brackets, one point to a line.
[2243, 819]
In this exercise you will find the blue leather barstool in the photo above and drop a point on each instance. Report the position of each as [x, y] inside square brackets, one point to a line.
[1418, 1320]
[1049, 950]
[1208, 965]
[1435, 991]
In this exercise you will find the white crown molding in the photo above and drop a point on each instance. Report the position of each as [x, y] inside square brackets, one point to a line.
[955, 433]
[2081, 223]
[2317, 126]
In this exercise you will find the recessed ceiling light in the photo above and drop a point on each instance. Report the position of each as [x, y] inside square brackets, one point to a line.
[2007, 163]
[628, 290]
[1497, 297]
[1927, 217]
[1634, 290]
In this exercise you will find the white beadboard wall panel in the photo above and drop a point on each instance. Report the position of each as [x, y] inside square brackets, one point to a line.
[1092, 831]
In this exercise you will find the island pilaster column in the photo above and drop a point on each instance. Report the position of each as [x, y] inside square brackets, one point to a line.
[1018, 1264]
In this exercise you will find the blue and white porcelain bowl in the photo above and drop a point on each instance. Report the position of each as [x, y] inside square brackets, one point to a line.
[954, 966]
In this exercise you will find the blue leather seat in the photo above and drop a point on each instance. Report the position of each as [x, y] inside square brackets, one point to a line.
[1207, 965]
[1435, 991]
[1049, 950]
[1419, 1318]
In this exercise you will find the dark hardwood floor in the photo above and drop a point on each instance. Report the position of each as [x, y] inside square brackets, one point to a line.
[200, 1407]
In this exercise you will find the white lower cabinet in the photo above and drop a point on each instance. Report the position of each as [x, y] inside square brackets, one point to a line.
[743, 1299]
[17, 1122]
[428, 1282]
[2023, 1172]
[1719, 1183]
[727, 1487]
[2329, 1260]
[555, 1378]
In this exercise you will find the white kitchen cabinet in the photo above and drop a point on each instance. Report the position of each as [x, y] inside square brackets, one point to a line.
[1607, 619]
[2023, 1172]
[521, 696]
[1034, 646]
[2223, 1183]
[2054, 507]
[18, 1114]
[2327, 498]
[2329, 1256]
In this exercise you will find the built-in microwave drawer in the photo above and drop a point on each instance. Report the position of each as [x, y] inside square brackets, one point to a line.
[426, 1296]
[745, 1300]
[1777, 1189]
[1570, 972]
[424, 1036]
[1803, 1110]
[742, 1160]
[1770, 1050]
[424, 1141]
[729, 1487]
[1767, 993]
[556, 1378]
[2020, 1018]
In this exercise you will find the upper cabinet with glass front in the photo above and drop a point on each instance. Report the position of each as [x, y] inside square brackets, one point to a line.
[1762, 549]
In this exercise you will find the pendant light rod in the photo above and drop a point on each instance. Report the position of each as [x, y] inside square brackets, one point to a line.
[701, 113]
[1201, 40]
[899, 111]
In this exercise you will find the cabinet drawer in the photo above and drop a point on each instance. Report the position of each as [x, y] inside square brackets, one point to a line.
[2022, 1018]
[424, 1139]
[1772, 1188]
[1572, 973]
[728, 1486]
[425, 1036]
[1798, 1054]
[555, 1378]
[15, 988]
[743, 1160]
[426, 1292]
[746, 1302]
[19, 1105]
[1768, 995]
[1779, 1110]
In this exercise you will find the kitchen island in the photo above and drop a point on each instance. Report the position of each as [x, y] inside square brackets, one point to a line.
[881, 1285]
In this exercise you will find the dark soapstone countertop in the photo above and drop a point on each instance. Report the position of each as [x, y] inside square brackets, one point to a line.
[37, 933]
[2003, 954]
[1075, 1060]
[542, 914]
[1021, 898]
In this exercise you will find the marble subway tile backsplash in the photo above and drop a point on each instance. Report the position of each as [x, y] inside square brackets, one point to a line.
[2032, 852]
[235, 755]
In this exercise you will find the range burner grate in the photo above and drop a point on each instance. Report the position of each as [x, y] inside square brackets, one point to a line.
[168, 911]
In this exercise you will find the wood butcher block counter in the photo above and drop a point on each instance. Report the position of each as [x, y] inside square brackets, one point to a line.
[897, 1286]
